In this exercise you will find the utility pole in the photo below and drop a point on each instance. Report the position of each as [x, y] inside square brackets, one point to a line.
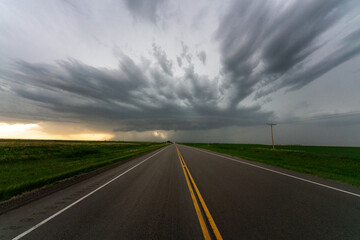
[272, 135]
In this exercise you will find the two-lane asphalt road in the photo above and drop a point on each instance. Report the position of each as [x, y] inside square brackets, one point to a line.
[180, 192]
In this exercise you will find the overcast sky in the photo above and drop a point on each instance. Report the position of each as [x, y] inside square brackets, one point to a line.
[208, 71]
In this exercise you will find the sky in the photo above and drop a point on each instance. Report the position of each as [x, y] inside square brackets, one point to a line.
[186, 71]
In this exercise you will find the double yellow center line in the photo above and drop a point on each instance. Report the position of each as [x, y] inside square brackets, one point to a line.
[192, 186]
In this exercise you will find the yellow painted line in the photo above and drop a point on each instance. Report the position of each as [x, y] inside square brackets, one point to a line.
[206, 210]
[196, 205]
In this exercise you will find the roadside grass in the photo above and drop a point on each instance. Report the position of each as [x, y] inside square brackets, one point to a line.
[29, 164]
[336, 163]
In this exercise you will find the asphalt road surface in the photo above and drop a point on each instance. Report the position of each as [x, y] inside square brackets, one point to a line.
[180, 192]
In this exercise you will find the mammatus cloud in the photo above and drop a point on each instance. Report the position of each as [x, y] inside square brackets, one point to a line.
[148, 10]
[179, 61]
[162, 59]
[185, 54]
[266, 46]
[202, 57]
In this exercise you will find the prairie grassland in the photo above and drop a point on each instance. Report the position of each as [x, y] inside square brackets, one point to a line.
[336, 163]
[29, 164]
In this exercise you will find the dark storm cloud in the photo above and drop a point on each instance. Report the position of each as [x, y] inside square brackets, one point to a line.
[134, 96]
[146, 9]
[266, 46]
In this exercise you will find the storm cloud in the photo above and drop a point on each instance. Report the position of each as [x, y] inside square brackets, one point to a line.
[134, 96]
[267, 46]
[183, 68]
[147, 10]
[202, 56]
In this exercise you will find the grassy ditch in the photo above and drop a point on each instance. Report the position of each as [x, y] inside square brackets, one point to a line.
[337, 163]
[29, 164]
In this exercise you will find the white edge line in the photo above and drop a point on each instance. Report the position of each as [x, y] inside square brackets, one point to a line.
[288, 175]
[79, 200]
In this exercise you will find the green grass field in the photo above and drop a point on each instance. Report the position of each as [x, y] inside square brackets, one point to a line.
[29, 164]
[337, 163]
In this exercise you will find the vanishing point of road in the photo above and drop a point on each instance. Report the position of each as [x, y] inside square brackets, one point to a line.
[180, 192]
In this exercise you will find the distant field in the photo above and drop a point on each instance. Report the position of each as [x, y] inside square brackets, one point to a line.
[28, 164]
[336, 163]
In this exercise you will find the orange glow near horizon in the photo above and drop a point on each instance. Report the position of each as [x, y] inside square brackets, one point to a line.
[34, 131]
